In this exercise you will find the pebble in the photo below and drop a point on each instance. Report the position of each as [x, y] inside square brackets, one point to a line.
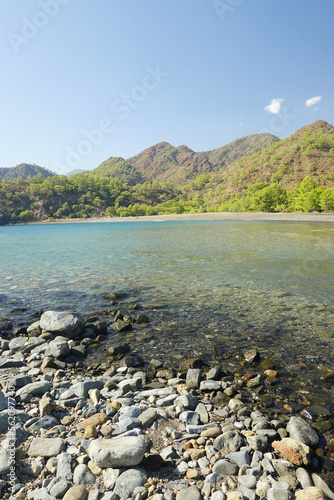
[125, 432]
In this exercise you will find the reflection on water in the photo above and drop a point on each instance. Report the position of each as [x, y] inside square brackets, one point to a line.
[207, 286]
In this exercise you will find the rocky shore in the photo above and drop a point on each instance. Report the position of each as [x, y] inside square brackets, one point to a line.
[134, 428]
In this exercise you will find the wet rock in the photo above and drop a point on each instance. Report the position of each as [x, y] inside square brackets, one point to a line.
[252, 356]
[68, 324]
[117, 452]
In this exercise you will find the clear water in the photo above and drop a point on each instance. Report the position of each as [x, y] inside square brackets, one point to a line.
[207, 286]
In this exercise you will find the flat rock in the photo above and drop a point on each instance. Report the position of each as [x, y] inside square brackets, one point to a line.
[46, 447]
[33, 389]
[40, 494]
[302, 431]
[97, 419]
[117, 452]
[45, 422]
[11, 363]
[19, 415]
[68, 324]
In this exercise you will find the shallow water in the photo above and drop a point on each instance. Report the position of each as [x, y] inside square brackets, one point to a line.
[215, 287]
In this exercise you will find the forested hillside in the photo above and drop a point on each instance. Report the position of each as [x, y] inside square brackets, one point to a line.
[296, 174]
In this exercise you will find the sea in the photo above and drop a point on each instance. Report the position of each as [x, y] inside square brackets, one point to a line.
[211, 289]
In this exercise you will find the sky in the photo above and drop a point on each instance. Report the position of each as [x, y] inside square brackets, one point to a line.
[83, 80]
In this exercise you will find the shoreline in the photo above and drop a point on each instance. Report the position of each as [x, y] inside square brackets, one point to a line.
[207, 216]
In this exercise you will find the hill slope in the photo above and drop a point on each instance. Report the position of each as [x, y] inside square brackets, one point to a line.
[24, 170]
[164, 162]
[308, 152]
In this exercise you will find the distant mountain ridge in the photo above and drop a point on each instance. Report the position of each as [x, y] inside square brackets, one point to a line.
[163, 162]
[24, 170]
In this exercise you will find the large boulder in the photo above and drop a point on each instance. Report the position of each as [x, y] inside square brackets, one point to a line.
[118, 452]
[68, 324]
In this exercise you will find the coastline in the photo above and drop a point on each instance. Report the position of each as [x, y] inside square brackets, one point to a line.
[207, 216]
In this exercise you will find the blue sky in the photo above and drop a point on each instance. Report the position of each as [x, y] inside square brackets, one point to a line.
[83, 80]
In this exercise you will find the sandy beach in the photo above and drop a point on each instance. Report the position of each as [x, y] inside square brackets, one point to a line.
[254, 216]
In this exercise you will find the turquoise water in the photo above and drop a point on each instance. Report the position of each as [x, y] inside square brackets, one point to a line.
[207, 286]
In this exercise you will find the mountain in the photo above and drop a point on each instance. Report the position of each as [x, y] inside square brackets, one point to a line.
[232, 152]
[179, 165]
[120, 168]
[308, 152]
[24, 170]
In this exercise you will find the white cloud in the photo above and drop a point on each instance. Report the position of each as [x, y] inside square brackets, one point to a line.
[275, 106]
[313, 101]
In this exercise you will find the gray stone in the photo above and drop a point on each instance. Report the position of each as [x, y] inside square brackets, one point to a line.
[224, 468]
[193, 378]
[302, 431]
[126, 424]
[210, 385]
[16, 343]
[11, 363]
[148, 417]
[247, 481]
[304, 477]
[168, 453]
[319, 483]
[40, 494]
[46, 447]
[118, 452]
[64, 468]
[20, 380]
[161, 392]
[19, 415]
[68, 324]
[58, 350]
[282, 467]
[167, 401]
[186, 402]
[34, 389]
[82, 475]
[43, 423]
[128, 411]
[191, 493]
[58, 487]
[5, 461]
[229, 441]
[128, 481]
[257, 443]
[203, 413]
[81, 389]
[218, 495]
[247, 493]
[278, 494]
[241, 457]
[31, 344]
[3, 401]
[189, 417]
